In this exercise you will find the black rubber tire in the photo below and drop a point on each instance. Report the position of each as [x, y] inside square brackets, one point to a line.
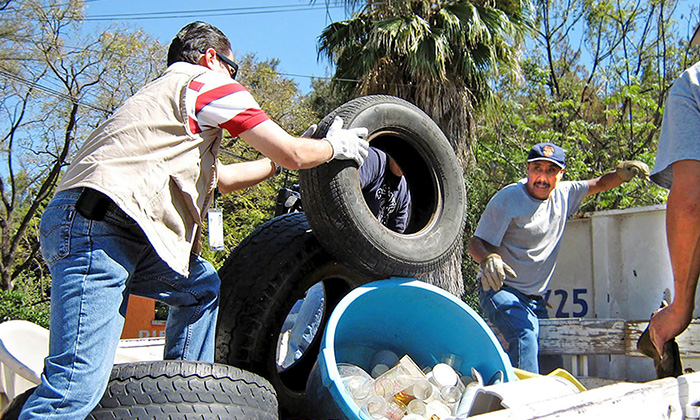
[182, 390]
[344, 224]
[11, 412]
[260, 282]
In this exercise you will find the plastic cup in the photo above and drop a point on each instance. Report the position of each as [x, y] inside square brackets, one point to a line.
[422, 389]
[384, 387]
[379, 369]
[417, 407]
[384, 357]
[443, 375]
[358, 387]
[450, 394]
[375, 406]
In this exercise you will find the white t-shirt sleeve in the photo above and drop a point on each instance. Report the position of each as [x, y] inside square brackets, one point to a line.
[216, 101]
[494, 221]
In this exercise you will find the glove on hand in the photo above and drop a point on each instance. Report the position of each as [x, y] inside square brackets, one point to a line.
[628, 169]
[494, 271]
[347, 143]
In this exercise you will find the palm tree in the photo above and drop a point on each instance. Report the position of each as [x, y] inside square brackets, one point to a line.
[439, 55]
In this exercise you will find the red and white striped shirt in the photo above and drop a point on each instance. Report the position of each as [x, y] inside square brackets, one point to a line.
[214, 100]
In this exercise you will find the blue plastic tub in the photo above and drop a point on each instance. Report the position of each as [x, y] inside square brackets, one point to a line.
[406, 316]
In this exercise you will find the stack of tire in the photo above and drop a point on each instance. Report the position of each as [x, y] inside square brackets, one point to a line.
[337, 242]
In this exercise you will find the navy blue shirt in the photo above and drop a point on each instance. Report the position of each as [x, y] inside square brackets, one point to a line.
[386, 194]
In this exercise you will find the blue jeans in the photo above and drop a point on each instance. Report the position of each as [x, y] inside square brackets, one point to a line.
[516, 316]
[95, 265]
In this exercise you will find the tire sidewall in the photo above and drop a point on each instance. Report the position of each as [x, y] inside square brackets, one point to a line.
[391, 253]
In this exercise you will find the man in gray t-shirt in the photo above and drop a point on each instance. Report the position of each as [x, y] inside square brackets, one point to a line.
[677, 167]
[517, 242]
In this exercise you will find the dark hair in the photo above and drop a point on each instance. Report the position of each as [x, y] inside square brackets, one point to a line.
[193, 40]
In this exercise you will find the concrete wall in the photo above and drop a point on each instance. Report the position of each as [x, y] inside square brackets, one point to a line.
[615, 264]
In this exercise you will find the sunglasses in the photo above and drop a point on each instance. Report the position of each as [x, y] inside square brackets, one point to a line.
[232, 67]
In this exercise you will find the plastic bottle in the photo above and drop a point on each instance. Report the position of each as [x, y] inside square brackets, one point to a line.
[465, 402]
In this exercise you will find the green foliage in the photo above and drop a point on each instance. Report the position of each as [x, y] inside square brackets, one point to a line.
[23, 303]
[323, 98]
[15, 305]
[439, 56]
[594, 79]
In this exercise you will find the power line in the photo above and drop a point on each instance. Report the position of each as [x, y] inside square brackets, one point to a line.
[232, 11]
[51, 92]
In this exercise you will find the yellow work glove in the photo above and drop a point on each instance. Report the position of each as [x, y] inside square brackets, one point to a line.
[493, 272]
[628, 169]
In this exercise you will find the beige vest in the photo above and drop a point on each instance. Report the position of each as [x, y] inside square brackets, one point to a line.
[147, 160]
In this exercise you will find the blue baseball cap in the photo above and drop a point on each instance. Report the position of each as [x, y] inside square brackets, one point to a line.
[547, 151]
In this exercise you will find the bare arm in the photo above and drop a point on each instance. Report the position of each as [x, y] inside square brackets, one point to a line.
[603, 183]
[238, 176]
[286, 150]
[683, 237]
[477, 248]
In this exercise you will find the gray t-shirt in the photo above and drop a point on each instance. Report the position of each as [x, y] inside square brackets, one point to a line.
[526, 232]
[680, 130]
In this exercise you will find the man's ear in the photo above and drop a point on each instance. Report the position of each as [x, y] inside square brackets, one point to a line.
[207, 59]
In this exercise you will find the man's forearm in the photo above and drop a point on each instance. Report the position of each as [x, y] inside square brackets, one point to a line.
[477, 249]
[603, 183]
[238, 176]
[683, 232]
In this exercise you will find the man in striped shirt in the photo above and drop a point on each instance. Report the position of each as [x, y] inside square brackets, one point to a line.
[127, 215]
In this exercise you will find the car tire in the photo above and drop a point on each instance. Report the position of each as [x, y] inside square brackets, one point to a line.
[261, 280]
[342, 221]
[187, 390]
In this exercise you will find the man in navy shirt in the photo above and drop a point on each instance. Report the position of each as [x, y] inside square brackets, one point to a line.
[385, 190]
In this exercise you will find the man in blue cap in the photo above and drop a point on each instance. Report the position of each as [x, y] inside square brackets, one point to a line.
[517, 241]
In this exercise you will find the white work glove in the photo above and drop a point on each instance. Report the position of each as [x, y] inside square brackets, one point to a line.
[493, 272]
[347, 143]
[628, 169]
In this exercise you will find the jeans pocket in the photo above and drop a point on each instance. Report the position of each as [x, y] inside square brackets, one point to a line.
[54, 228]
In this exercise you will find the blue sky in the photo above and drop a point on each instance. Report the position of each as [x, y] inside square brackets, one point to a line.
[284, 29]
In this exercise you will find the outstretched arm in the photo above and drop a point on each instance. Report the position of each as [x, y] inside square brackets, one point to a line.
[624, 172]
[603, 183]
[683, 237]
